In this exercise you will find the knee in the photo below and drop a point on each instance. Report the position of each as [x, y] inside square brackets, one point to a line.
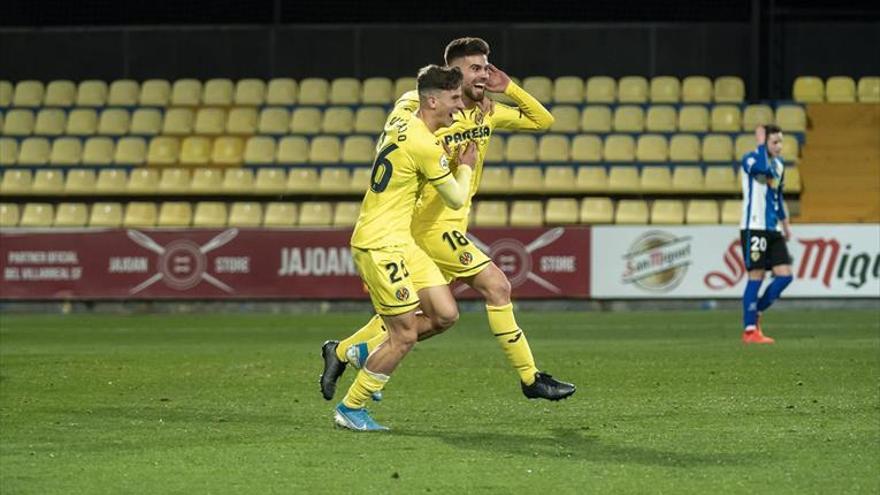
[443, 320]
[497, 291]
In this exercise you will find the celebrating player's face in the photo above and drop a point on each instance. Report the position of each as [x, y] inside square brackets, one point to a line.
[474, 68]
[448, 103]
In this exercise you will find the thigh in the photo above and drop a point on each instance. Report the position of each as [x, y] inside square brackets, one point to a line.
[452, 252]
[777, 251]
[424, 272]
[386, 274]
[755, 249]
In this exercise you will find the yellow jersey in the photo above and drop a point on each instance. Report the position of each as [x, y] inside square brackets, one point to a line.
[408, 156]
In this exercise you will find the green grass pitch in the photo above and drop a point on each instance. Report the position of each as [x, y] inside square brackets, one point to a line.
[668, 402]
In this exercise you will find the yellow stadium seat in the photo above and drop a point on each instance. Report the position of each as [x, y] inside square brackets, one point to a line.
[693, 118]
[325, 150]
[6, 91]
[34, 151]
[569, 89]
[140, 214]
[702, 212]
[113, 122]
[629, 118]
[345, 91]
[82, 122]
[91, 93]
[601, 89]
[337, 120]
[250, 92]
[37, 215]
[632, 89]
[111, 181]
[561, 211]
[281, 91]
[60, 93]
[210, 214]
[540, 87]
[656, 180]
[726, 118]
[527, 180]
[292, 150]
[526, 213]
[302, 180]
[591, 179]
[106, 215]
[123, 93]
[360, 180]
[652, 148]
[495, 150]
[745, 143]
[270, 180]
[667, 212]
[791, 118]
[696, 89]
[16, 182]
[661, 118]
[334, 180]
[178, 122]
[316, 214]
[66, 151]
[791, 150]
[808, 89]
[281, 214]
[553, 148]
[402, 85]
[210, 121]
[175, 214]
[245, 214]
[79, 181]
[619, 148]
[19, 122]
[71, 215]
[717, 148]
[174, 181]
[720, 180]
[369, 120]
[665, 89]
[631, 212]
[491, 214]
[274, 121]
[143, 181]
[792, 180]
[596, 210]
[130, 151]
[217, 92]
[155, 93]
[684, 148]
[346, 213]
[586, 148]
[8, 151]
[163, 150]
[755, 115]
[869, 89]
[305, 120]
[241, 120]
[840, 89]
[377, 91]
[687, 179]
[238, 181]
[227, 151]
[357, 149]
[624, 179]
[495, 180]
[729, 89]
[596, 118]
[50, 122]
[28, 94]
[565, 118]
[206, 181]
[48, 181]
[521, 148]
[146, 122]
[731, 211]
[186, 93]
[313, 91]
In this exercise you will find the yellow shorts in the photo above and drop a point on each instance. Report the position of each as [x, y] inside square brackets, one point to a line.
[453, 253]
[394, 275]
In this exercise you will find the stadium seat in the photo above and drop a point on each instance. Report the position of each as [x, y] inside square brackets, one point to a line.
[146, 122]
[50, 122]
[596, 211]
[591, 179]
[37, 215]
[869, 89]
[693, 118]
[175, 214]
[377, 91]
[34, 151]
[105, 214]
[490, 214]
[632, 89]
[274, 120]
[19, 122]
[566, 118]
[596, 118]
[527, 180]
[731, 211]
[163, 150]
[174, 181]
[227, 151]
[210, 121]
[79, 181]
[495, 180]
[238, 181]
[325, 150]
[526, 213]
[553, 148]
[358, 149]
[91, 93]
[241, 120]
[792, 180]
[47, 181]
[655, 180]
[687, 180]
[345, 91]
[561, 211]
[143, 181]
[82, 122]
[791, 118]
[218, 92]
[726, 118]
[270, 180]
[8, 151]
[717, 148]
[346, 213]
[305, 120]
[16, 182]
[631, 212]
[696, 89]
[71, 215]
[250, 92]
[601, 89]
[114, 122]
[629, 118]
[808, 89]
[337, 120]
[729, 89]
[111, 181]
[624, 179]
[292, 150]
[661, 118]
[495, 150]
[665, 89]
[155, 93]
[315, 214]
[360, 180]
[720, 179]
[66, 151]
[140, 214]
[586, 148]
[60, 93]
[369, 120]
[745, 143]
[334, 180]
[569, 89]
[245, 214]
[684, 148]
[178, 122]
[28, 94]
[667, 212]
[790, 148]
[281, 91]
[123, 93]
[6, 91]
[652, 148]
[280, 214]
[129, 151]
[210, 214]
[521, 148]
[755, 115]
[402, 85]
[303, 180]
[840, 89]
[619, 148]
[560, 178]
[702, 212]
[206, 181]
[540, 87]
[313, 91]
[186, 93]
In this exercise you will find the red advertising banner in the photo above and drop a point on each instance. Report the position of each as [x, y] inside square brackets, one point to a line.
[254, 263]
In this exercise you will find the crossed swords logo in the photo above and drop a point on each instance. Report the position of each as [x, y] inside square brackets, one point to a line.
[176, 256]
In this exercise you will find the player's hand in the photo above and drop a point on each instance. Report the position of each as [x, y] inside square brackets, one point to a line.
[786, 230]
[469, 156]
[760, 135]
[498, 80]
[487, 105]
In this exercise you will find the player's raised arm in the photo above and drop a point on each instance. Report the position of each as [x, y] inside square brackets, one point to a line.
[756, 162]
[531, 114]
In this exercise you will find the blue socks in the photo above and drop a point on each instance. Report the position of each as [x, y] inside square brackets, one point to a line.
[773, 291]
[750, 303]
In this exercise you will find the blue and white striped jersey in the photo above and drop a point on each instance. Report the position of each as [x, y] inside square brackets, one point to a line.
[762, 181]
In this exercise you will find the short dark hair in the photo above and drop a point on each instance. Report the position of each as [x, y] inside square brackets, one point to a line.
[463, 47]
[436, 78]
[772, 129]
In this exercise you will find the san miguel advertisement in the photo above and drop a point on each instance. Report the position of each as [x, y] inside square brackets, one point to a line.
[254, 263]
[707, 262]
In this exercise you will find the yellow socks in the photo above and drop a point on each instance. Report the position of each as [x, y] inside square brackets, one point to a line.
[373, 328]
[364, 385]
[512, 340]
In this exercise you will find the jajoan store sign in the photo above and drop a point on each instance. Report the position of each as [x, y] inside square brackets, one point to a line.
[707, 262]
